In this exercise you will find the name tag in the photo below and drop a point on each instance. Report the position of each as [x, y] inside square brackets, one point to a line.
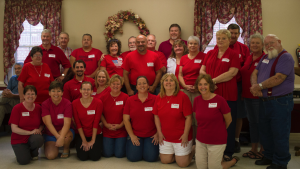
[256, 64]
[151, 64]
[89, 112]
[60, 116]
[175, 106]
[240, 55]
[51, 55]
[91, 56]
[225, 60]
[94, 93]
[47, 75]
[120, 59]
[148, 108]
[119, 103]
[25, 113]
[197, 61]
[265, 61]
[212, 105]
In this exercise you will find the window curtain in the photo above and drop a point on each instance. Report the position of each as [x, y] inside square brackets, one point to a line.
[47, 12]
[248, 15]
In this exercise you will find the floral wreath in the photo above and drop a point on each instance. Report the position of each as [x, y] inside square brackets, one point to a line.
[115, 23]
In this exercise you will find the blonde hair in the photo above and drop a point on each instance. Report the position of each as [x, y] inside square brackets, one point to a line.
[224, 32]
[116, 78]
[106, 75]
[162, 88]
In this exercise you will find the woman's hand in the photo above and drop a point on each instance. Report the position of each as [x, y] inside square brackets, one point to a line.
[90, 144]
[110, 127]
[190, 88]
[85, 146]
[60, 141]
[36, 131]
[161, 138]
[135, 140]
[155, 139]
[184, 140]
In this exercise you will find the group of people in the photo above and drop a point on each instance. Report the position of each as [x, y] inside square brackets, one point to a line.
[172, 104]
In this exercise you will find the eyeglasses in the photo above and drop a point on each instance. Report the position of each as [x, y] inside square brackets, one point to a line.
[271, 43]
[37, 55]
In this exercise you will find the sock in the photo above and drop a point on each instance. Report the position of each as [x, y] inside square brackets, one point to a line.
[237, 139]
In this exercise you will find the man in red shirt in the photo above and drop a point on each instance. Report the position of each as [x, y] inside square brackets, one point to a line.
[166, 46]
[91, 56]
[131, 46]
[243, 52]
[52, 56]
[141, 62]
[71, 88]
[151, 43]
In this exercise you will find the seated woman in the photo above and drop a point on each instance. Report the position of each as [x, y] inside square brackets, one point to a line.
[57, 114]
[101, 84]
[26, 125]
[213, 117]
[173, 119]
[142, 142]
[114, 132]
[87, 113]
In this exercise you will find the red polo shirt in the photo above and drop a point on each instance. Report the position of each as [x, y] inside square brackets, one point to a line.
[142, 65]
[106, 90]
[172, 115]
[162, 58]
[26, 120]
[53, 57]
[141, 116]
[113, 65]
[88, 118]
[72, 87]
[166, 47]
[90, 58]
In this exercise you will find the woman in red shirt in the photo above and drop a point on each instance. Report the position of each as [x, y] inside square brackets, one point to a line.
[142, 142]
[114, 132]
[101, 84]
[26, 125]
[87, 113]
[213, 117]
[173, 119]
[223, 64]
[57, 114]
[36, 73]
[252, 102]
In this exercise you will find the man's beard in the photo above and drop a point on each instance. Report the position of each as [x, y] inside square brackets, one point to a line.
[174, 37]
[79, 74]
[273, 53]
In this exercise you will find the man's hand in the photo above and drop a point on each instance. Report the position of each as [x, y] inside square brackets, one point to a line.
[152, 89]
[60, 78]
[256, 90]
[130, 92]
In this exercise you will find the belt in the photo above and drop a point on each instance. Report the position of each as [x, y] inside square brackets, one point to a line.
[274, 97]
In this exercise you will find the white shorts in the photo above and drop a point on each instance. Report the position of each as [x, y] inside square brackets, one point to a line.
[175, 148]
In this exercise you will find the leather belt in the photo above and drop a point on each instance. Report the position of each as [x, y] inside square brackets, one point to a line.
[274, 97]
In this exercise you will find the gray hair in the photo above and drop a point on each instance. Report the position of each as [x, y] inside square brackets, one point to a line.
[64, 33]
[258, 36]
[19, 63]
[152, 35]
[194, 38]
[131, 37]
[273, 35]
[47, 31]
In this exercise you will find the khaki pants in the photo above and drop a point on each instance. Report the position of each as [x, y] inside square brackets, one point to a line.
[209, 156]
[6, 106]
[192, 97]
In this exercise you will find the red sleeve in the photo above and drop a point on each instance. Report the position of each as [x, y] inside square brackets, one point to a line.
[224, 108]
[103, 62]
[163, 59]
[157, 64]
[182, 60]
[186, 105]
[127, 107]
[15, 115]
[64, 60]
[75, 114]
[235, 61]
[28, 58]
[155, 108]
[24, 73]
[206, 57]
[126, 65]
[98, 57]
[45, 108]
[66, 93]
[49, 71]
[68, 111]
[98, 113]
[74, 53]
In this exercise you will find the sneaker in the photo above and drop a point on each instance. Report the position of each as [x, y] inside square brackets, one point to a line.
[35, 158]
[237, 147]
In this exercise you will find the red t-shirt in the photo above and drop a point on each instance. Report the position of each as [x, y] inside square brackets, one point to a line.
[30, 76]
[88, 118]
[57, 113]
[90, 58]
[216, 67]
[106, 90]
[172, 115]
[211, 124]
[26, 120]
[113, 114]
[246, 72]
[124, 54]
[53, 58]
[141, 116]
[72, 88]
[113, 65]
[142, 65]
[162, 58]
[191, 68]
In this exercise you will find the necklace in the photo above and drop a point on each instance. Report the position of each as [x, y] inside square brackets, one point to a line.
[114, 98]
[37, 71]
[169, 99]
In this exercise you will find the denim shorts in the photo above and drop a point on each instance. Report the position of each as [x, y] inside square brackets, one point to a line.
[52, 138]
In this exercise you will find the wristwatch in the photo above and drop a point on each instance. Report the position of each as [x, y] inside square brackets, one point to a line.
[260, 85]
[62, 75]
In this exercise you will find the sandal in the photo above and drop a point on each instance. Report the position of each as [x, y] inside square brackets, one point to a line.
[227, 158]
[255, 156]
[248, 154]
[260, 154]
[236, 158]
[67, 155]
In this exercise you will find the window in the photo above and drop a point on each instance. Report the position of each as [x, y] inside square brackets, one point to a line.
[217, 27]
[30, 37]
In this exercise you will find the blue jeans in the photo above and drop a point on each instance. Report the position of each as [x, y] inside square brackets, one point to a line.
[147, 150]
[229, 151]
[114, 146]
[252, 108]
[275, 125]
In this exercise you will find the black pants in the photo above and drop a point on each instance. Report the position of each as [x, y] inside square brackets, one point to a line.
[229, 151]
[25, 152]
[93, 154]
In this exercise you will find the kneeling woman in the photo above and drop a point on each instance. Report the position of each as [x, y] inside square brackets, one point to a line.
[87, 113]
[173, 119]
[57, 114]
[114, 132]
[26, 126]
[139, 122]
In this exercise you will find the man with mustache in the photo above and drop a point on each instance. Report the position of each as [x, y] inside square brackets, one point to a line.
[273, 81]
[71, 88]
[131, 46]
[91, 56]
[166, 46]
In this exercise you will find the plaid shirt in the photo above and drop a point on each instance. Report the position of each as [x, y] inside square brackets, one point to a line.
[67, 52]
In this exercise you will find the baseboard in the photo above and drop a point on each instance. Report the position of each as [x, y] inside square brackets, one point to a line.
[2, 84]
[294, 138]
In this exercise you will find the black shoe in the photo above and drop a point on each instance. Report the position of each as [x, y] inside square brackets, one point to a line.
[237, 147]
[275, 166]
[263, 161]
